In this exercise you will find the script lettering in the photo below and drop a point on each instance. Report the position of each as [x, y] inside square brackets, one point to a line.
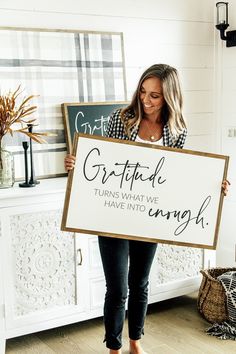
[99, 126]
[124, 172]
[185, 216]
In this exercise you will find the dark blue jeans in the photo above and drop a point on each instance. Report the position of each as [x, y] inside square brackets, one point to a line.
[126, 265]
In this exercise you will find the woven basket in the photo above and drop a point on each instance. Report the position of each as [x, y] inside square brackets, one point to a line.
[211, 297]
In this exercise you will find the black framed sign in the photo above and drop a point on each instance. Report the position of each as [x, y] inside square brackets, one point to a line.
[140, 191]
[88, 118]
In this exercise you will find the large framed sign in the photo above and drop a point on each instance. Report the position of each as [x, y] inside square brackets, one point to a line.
[144, 192]
[88, 118]
[58, 65]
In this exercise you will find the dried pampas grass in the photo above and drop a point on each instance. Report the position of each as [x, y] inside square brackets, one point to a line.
[15, 111]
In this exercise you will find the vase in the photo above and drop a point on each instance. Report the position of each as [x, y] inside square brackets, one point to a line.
[7, 171]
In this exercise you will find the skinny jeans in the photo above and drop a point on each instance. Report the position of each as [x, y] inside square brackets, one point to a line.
[126, 265]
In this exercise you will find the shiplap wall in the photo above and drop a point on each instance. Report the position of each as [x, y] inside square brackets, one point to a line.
[226, 112]
[176, 32]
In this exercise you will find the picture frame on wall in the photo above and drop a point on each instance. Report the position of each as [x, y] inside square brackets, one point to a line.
[59, 65]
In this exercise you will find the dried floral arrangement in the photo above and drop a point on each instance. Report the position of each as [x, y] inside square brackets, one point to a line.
[14, 110]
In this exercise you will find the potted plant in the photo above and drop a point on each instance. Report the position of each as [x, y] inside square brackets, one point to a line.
[14, 118]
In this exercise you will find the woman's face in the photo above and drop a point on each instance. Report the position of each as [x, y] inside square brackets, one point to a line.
[151, 96]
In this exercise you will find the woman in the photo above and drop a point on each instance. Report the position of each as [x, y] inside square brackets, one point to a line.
[154, 116]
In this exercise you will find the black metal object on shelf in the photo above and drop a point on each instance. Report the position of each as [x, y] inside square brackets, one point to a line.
[32, 179]
[26, 184]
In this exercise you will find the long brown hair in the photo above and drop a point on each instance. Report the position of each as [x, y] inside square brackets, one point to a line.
[172, 109]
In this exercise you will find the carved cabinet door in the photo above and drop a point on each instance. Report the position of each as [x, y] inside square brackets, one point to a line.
[39, 267]
[176, 270]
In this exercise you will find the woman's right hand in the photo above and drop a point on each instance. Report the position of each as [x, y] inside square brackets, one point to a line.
[69, 162]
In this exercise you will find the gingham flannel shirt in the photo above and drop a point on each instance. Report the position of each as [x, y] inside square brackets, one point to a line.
[115, 130]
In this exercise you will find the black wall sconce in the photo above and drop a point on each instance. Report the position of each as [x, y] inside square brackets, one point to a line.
[222, 24]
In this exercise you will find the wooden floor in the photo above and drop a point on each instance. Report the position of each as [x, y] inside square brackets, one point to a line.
[172, 326]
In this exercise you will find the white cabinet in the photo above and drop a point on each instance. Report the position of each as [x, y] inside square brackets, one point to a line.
[2, 314]
[52, 278]
[226, 248]
[93, 278]
[175, 272]
[40, 261]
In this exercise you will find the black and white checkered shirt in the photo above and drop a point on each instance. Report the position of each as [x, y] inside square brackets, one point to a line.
[116, 130]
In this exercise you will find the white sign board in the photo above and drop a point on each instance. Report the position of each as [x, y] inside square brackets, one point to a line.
[145, 192]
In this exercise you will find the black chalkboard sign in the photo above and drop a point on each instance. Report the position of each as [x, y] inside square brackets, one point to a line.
[89, 118]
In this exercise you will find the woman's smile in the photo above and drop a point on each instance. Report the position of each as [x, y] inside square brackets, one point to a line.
[151, 96]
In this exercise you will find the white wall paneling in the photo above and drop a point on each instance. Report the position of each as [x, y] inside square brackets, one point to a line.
[169, 9]
[226, 254]
[178, 33]
[225, 62]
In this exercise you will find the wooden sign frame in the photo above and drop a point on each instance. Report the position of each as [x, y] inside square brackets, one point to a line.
[144, 192]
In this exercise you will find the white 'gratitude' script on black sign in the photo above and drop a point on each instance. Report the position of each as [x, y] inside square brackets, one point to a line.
[88, 118]
[124, 189]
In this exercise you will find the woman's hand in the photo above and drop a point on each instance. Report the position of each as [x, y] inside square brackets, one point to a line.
[69, 162]
[225, 185]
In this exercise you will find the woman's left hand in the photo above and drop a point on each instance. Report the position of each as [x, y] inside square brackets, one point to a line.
[225, 185]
